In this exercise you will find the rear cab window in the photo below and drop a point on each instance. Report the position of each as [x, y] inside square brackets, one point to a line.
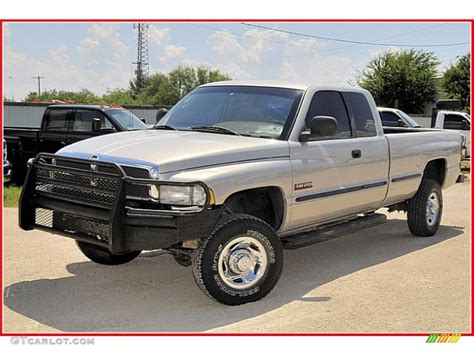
[453, 121]
[362, 114]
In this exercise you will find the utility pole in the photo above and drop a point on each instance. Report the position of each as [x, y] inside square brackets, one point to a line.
[142, 64]
[39, 84]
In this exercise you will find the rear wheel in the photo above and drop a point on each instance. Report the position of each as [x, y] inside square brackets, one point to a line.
[240, 262]
[104, 257]
[425, 209]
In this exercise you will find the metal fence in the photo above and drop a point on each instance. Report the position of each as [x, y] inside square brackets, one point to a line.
[20, 114]
[423, 120]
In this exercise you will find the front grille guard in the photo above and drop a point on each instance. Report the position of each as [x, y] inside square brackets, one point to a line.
[80, 198]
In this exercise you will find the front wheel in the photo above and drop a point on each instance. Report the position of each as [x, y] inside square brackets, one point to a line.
[240, 262]
[103, 256]
[425, 209]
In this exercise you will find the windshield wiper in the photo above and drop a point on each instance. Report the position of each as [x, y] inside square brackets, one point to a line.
[165, 126]
[215, 129]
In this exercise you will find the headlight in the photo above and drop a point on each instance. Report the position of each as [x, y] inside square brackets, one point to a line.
[181, 195]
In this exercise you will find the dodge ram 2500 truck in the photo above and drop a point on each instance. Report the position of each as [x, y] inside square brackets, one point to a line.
[62, 125]
[235, 172]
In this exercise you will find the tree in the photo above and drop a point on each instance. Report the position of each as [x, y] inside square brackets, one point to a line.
[456, 81]
[183, 78]
[118, 96]
[404, 79]
[158, 91]
[205, 75]
[84, 96]
[167, 89]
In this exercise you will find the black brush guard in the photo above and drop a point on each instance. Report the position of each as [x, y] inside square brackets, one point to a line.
[98, 203]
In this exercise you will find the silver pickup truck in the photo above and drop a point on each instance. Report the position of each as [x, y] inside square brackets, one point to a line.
[234, 173]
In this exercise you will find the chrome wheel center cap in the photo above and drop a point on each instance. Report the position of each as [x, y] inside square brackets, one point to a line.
[241, 261]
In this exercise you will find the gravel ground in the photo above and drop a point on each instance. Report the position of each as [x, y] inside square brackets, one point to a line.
[377, 280]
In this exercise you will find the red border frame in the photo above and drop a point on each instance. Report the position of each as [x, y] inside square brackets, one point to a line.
[2, 333]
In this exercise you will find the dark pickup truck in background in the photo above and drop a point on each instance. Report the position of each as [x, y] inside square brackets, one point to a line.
[63, 125]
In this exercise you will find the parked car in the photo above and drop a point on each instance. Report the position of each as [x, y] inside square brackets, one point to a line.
[7, 166]
[62, 125]
[235, 172]
[457, 121]
[392, 117]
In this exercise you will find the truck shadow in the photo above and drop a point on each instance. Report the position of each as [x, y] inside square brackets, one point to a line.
[157, 295]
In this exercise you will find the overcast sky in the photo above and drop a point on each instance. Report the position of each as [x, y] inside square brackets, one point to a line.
[98, 56]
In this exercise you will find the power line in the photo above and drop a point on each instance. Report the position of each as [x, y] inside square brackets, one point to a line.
[254, 37]
[343, 47]
[353, 41]
[317, 49]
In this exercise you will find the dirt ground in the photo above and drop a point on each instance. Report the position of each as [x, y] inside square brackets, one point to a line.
[378, 280]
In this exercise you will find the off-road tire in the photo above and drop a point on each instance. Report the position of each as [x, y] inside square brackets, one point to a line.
[103, 256]
[417, 219]
[205, 269]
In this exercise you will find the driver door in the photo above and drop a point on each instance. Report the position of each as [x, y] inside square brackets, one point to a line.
[326, 171]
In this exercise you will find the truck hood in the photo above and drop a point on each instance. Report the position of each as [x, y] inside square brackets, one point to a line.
[167, 151]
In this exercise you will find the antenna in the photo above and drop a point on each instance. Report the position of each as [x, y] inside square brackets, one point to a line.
[143, 68]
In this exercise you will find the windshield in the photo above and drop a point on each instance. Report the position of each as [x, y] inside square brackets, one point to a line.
[411, 122]
[246, 110]
[126, 119]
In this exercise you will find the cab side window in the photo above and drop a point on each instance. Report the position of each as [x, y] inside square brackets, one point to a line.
[57, 120]
[363, 117]
[83, 121]
[330, 103]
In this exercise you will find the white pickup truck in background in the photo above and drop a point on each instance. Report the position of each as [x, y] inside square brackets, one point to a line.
[458, 121]
[392, 117]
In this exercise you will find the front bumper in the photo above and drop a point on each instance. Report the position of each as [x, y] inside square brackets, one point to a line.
[90, 201]
[7, 171]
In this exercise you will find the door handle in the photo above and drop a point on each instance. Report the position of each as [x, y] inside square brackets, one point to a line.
[356, 154]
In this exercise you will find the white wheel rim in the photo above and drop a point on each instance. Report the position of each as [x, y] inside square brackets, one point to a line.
[432, 209]
[242, 262]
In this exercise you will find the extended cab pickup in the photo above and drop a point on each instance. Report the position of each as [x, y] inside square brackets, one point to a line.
[62, 125]
[235, 172]
[457, 121]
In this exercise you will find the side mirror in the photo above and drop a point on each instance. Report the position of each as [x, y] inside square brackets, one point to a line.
[401, 123]
[143, 119]
[465, 125]
[160, 113]
[96, 124]
[319, 127]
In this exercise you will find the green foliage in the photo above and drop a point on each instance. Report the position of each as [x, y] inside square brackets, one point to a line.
[118, 97]
[83, 96]
[159, 89]
[407, 77]
[456, 81]
[11, 195]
